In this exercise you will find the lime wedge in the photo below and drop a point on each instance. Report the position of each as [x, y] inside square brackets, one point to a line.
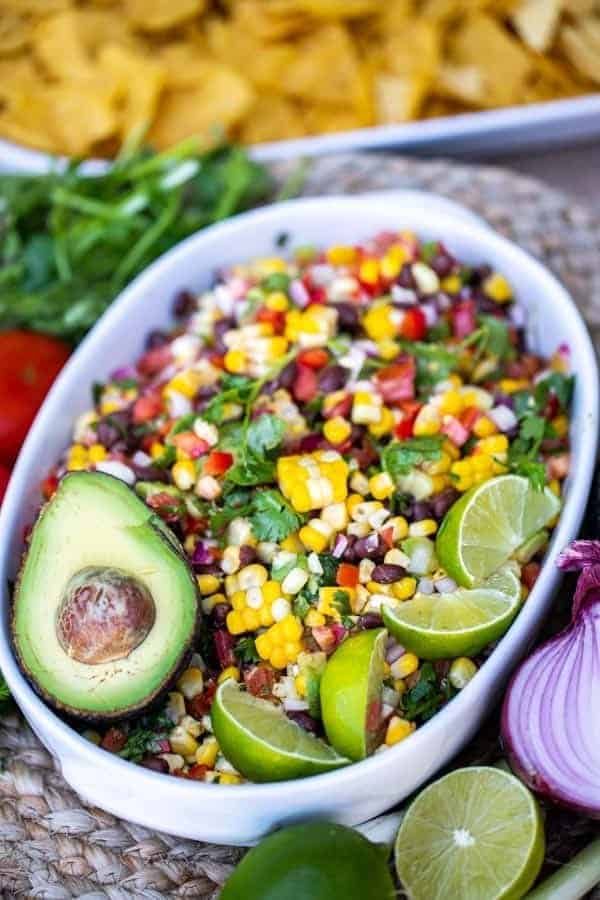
[485, 527]
[262, 743]
[475, 834]
[351, 694]
[460, 623]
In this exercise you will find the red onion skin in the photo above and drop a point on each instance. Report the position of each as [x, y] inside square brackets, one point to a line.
[553, 700]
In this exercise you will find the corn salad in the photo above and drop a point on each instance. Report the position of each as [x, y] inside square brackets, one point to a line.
[303, 431]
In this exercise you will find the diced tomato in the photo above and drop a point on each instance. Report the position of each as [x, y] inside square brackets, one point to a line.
[455, 430]
[340, 409]
[404, 428]
[314, 358]
[217, 360]
[200, 705]
[273, 317]
[552, 407]
[325, 637]
[146, 407]
[388, 536]
[414, 324]
[197, 772]
[469, 416]
[114, 740]
[217, 462]
[347, 575]
[529, 574]
[168, 507]
[190, 444]
[396, 383]
[153, 361]
[463, 319]
[306, 386]
[260, 680]
[49, 486]
[316, 293]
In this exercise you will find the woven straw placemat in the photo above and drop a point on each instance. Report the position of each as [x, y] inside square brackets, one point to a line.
[55, 847]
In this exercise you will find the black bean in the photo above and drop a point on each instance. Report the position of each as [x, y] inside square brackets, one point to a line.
[247, 555]
[371, 620]
[367, 548]
[333, 378]
[304, 720]
[155, 763]
[441, 503]
[442, 263]
[218, 614]
[287, 376]
[184, 304]
[348, 319]
[387, 573]
[150, 473]
[405, 278]
[421, 510]
[219, 329]
[156, 339]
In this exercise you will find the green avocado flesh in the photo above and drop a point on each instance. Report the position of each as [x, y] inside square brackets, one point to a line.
[106, 607]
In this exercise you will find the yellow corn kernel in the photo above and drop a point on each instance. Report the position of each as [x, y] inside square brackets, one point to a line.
[385, 425]
[366, 408]
[404, 588]
[229, 778]
[381, 486]
[451, 403]
[428, 422]
[400, 526]
[268, 265]
[378, 322]
[157, 449]
[235, 361]
[397, 730]
[300, 685]
[277, 347]
[277, 301]
[207, 584]
[439, 482]
[462, 467]
[482, 464]
[336, 430]
[271, 590]
[292, 543]
[191, 683]
[336, 516]
[438, 466]
[279, 658]
[97, 453]
[332, 400]
[328, 603]
[560, 425]
[423, 528]
[484, 427]
[400, 686]
[314, 480]
[406, 665]
[314, 619]
[461, 672]
[359, 483]
[313, 539]
[497, 288]
[554, 486]
[184, 474]
[229, 672]
[251, 619]
[264, 645]
[186, 383]
[451, 284]
[109, 406]
[207, 752]
[511, 385]
[235, 622]
[182, 742]
[494, 445]
[254, 575]
[374, 587]
[387, 349]
[340, 255]
[369, 271]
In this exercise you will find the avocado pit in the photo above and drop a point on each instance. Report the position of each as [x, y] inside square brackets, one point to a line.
[104, 615]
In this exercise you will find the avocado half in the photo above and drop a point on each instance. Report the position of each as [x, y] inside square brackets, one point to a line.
[106, 608]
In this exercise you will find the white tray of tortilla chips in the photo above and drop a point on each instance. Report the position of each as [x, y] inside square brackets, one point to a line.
[295, 76]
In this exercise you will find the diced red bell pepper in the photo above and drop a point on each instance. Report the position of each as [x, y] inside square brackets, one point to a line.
[469, 416]
[153, 361]
[168, 507]
[260, 680]
[306, 386]
[347, 575]
[49, 486]
[455, 430]
[147, 407]
[314, 358]
[396, 383]
[339, 409]
[388, 536]
[273, 317]
[414, 324]
[217, 360]
[463, 319]
[200, 705]
[217, 462]
[529, 574]
[192, 445]
[197, 772]
[552, 408]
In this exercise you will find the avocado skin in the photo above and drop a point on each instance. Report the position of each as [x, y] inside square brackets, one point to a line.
[122, 713]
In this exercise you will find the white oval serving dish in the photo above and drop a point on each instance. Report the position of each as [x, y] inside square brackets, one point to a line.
[239, 814]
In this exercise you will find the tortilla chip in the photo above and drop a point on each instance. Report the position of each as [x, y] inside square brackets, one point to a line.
[58, 44]
[397, 98]
[263, 64]
[160, 15]
[272, 118]
[536, 22]
[218, 102]
[139, 81]
[14, 33]
[580, 43]
[326, 67]
[324, 119]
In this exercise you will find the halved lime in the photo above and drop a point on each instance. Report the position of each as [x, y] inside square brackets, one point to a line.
[351, 694]
[484, 528]
[475, 834]
[460, 623]
[262, 743]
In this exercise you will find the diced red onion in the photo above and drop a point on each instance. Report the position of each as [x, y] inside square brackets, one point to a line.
[340, 546]
[123, 372]
[140, 458]
[425, 586]
[293, 705]
[403, 296]
[163, 745]
[298, 293]
[394, 653]
[503, 417]
[445, 585]
[322, 274]
[117, 470]
[430, 312]
[550, 722]
[202, 555]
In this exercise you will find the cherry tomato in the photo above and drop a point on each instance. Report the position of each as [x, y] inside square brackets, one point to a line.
[4, 477]
[29, 363]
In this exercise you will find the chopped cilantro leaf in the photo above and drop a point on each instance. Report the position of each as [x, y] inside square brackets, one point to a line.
[245, 650]
[558, 384]
[435, 362]
[264, 434]
[399, 457]
[341, 601]
[424, 699]
[234, 389]
[302, 603]
[494, 337]
[330, 565]
[272, 517]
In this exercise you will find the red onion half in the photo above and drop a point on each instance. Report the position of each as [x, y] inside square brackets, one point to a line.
[551, 713]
